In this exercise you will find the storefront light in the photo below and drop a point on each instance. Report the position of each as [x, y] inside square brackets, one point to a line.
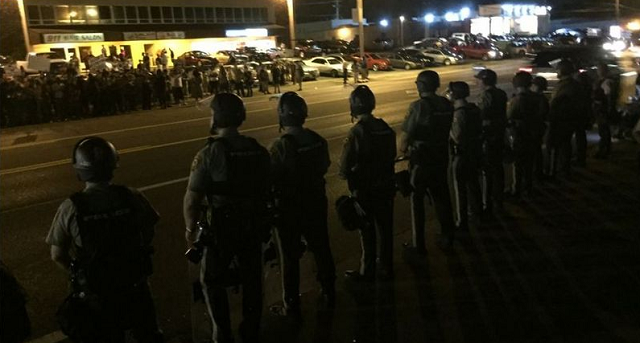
[91, 12]
[465, 13]
[633, 26]
[451, 16]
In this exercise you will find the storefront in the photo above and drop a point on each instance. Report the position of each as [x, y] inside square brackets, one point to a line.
[505, 19]
[135, 44]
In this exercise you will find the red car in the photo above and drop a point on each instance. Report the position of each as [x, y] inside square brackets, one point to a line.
[477, 50]
[375, 62]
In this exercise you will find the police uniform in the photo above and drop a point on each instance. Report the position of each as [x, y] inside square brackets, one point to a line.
[108, 230]
[232, 171]
[427, 126]
[493, 106]
[540, 163]
[604, 107]
[299, 161]
[466, 146]
[565, 111]
[524, 115]
[367, 163]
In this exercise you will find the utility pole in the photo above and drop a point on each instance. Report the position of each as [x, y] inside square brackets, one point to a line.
[337, 6]
[292, 26]
[23, 23]
[618, 11]
[361, 28]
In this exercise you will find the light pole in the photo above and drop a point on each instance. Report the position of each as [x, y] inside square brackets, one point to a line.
[401, 30]
[292, 25]
[428, 19]
[360, 29]
[23, 23]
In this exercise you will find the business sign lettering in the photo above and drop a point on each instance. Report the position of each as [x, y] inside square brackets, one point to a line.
[73, 37]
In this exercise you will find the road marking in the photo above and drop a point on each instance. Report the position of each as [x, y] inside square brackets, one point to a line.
[162, 184]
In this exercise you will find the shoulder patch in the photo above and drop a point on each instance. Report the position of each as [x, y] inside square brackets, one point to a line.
[196, 162]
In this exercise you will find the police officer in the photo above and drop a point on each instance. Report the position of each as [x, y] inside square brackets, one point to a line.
[566, 108]
[425, 140]
[231, 171]
[493, 106]
[299, 161]
[466, 147]
[538, 87]
[367, 163]
[102, 236]
[604, 107]
[525, 118]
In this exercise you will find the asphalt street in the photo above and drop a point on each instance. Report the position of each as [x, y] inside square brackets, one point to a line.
[562, 267]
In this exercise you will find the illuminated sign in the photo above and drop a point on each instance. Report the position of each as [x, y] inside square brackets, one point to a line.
[247, 33]
[513, 10]
[139, 35]
[72, 37]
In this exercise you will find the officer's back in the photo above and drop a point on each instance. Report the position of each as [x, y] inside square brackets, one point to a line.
[428, 125]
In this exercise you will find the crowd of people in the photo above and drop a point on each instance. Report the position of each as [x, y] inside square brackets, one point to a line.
[44, 98]
[241, 195]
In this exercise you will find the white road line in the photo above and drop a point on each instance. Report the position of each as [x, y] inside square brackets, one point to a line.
[162, 184]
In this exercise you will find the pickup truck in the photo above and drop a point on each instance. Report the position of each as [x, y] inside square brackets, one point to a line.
[46, 62]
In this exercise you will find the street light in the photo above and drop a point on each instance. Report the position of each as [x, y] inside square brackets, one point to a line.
[384, 23]
[465, 13]
[401, 30]
[428, 19]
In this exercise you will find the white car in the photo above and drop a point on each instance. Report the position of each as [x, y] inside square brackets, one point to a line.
[442, 56]
[327, 65]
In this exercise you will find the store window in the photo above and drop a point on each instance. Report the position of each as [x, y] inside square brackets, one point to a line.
[156, 14]
[199, 11]
[237, 14]
[33, 15]
[263, 15]
[220, 15]
[228, 15]
[118, 14]
[167, 15]
[47, 15]
[62, 15]
[248, 15]
[132, 14]
[77, 15]
[178, 16]
[188, 15]
[143, 14]
[92, 15]
[105, 14]
[211, 14]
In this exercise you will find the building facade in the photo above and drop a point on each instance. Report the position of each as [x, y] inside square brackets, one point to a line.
[84, 27]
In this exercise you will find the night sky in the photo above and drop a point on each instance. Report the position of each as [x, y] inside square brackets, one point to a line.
[314, 10]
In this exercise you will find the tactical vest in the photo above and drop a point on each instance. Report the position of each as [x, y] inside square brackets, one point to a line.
[113, 255]
[495, 119]
[472, 132]
[375, 165]
[310, 165]
[246, 170]
[431, 140]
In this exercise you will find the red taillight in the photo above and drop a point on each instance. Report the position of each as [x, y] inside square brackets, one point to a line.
[526, 69]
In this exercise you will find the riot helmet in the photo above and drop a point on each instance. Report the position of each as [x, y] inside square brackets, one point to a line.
[459, 90]
[428, 81]
[522, 79]
[565, 68]
[228, 110]
[94, 159]
[292, 109]
[488, 77]
[541, 83]
[362, 101]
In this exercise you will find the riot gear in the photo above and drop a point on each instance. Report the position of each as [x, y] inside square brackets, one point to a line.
[459, 90]
[362, 101]
[522, 79]
[565, 68]
[228, 111]
[541, 82]
[488, 77]
[94, 159]
[428, 81]
[292, 109]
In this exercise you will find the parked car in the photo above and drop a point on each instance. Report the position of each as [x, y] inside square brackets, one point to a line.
[374, 61]
[48, 62]
[416, 55]
[383, 43]
[442, 56]
[196, 58]
[310, 73]
[403, 61]
[327, 65]
[231, 56]
[481, 51]
[307, 48]
[275, 53]
[334, 46]
[429, 42]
